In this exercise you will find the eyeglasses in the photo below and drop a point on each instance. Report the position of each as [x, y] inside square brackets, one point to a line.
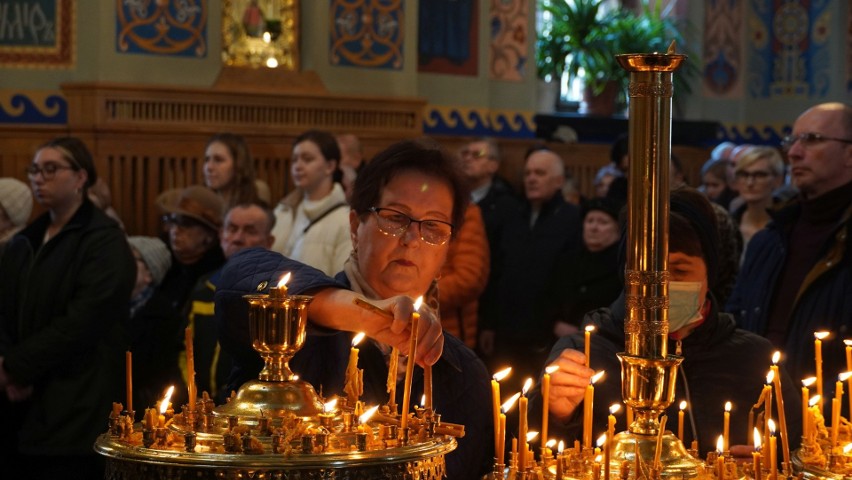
[179, 220]
[757, 176]
[48, 171]
[482, 153]
[808, 139]
[395, 223]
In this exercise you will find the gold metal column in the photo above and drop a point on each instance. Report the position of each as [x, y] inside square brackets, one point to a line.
[648, 372]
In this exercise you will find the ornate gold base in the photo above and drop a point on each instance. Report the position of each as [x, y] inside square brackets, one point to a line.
[675, 461]
[273, 398]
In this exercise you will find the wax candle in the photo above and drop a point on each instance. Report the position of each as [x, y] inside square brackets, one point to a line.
[128, 378]
[680, 420]
[773, 452]
[190, 367]
[596, 468]
[409, 367]
[164, 406]
[805, 397]
[658, 450]
[495, 400]
[726, 427]
[545, 400]
[354, 386]
[427, 387]
[767, 404]
[393, 370]
[504, 410]
[813, 403]
[720, 458]
[610, 435]
[629, 416]
[522, 423]
[279, 292]
[835, 424]
[756, 454]
[588, 406]
[779, 402]
[818, 338]
[588, 343]
[848, 344]
[559, 469]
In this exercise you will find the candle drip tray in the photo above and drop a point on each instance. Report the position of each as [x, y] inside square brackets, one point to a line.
[272, 398]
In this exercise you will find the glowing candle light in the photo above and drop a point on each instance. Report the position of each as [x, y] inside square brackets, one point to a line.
[755, 455]
[726, 427]
[720, 459]
[805, 396]
[773, 452]
[596, 468]
[367, 415]
[502, 439]
[409, 367]
[779, 402]
[681, 408]
[818, 338]
[279, 291]
[545, 396]
[495, 400]
[588, 403]
[522, 423]
[813, 403]
[128, 378]
[354, 385]
[549, 447]
[559, 449]
[164, 405]
[588, 343]
[767, 399]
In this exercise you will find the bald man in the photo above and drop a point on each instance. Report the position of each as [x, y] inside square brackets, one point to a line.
[797, 274]
[517, 329]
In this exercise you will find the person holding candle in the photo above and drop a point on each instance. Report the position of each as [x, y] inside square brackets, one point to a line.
[407, 205]
[721, 363]
[65, 282]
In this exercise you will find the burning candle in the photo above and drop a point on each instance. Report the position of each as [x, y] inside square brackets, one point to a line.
[545, 401]
[755, 455]
[190, 367]
[522, 423]
[767, 404]
[393, 370]
[680, 420]
[128, 379]
[495, 401]
[279, 292]
[559, 449]
[354, 386]
[596, 468]
[805, 396]
[610, 435]
[720, 458]
[409, 367]
[588, 404]
[773, 452]
[779, 401]
[501, 450]
[588, 344]
[818, 338]
[726, 427]
[813, 403]
[529, 438]
[835, 423]
[164, 406]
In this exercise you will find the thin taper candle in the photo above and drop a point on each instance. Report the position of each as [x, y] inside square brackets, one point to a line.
[779, 402]
[190, 367]
[409, 366]
[128, 359]
[818, 338]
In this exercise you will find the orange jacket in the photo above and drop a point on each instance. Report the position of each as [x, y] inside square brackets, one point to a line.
[463, 277]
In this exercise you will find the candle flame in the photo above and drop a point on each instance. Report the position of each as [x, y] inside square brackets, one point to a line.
[267, 37]
[329, 406]
[596, 377]
[808, 381]
[683, 404]
[844, 376]
[847, 342]
[590, 328]
[728, 407]
[601, 440]
[775, 357]
[551, 369]
[720, 444]
[757, 439]
[423, 400]
[550, 443]
[272, 62]
[813, 401]
[599, 458]
[366, 416]
[771, 425]
[560, 447]
[527, 384]
[614, 408]
[821, 335]
[284, 279]
[847, 448]
[510, 402]
[418, 302]
[531, 436]
[357, 339]
[770, 376]
[164, 403]
[502, 374]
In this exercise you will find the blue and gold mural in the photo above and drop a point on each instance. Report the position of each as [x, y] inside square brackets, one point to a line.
[788, 49]
[767, 134]
[177, 28]
[33, 107]
[723, 58]
[463, 121]
[366, 33]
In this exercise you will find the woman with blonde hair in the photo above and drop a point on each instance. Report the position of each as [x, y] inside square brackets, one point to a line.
[758, 173]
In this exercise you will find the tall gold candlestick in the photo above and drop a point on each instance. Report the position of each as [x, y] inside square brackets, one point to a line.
[779, 401]
[818, 338]
[545, 407]
[409, 367]
[128, 363]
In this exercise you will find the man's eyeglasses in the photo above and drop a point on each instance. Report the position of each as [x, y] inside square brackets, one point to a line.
[395, 223]
[48, 171]
[808, 139]
[482, 153]
[757, 176]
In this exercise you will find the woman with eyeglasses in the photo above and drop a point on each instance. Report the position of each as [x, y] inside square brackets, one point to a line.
[758, 174]
[311, 224]
[408, 203]
[64, 284]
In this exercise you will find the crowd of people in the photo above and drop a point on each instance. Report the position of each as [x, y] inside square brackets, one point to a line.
[759, 260]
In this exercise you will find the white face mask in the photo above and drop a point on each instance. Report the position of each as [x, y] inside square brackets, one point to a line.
[684, 304]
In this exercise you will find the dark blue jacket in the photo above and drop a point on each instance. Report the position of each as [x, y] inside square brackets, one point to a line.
[461, 386]
[824, 301]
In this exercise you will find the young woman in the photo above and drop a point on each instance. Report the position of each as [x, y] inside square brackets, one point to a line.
[229, 171]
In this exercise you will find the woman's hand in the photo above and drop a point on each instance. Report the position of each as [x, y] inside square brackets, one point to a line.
[568, 384]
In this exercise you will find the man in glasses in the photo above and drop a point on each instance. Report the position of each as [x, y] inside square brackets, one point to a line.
[797, 275]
